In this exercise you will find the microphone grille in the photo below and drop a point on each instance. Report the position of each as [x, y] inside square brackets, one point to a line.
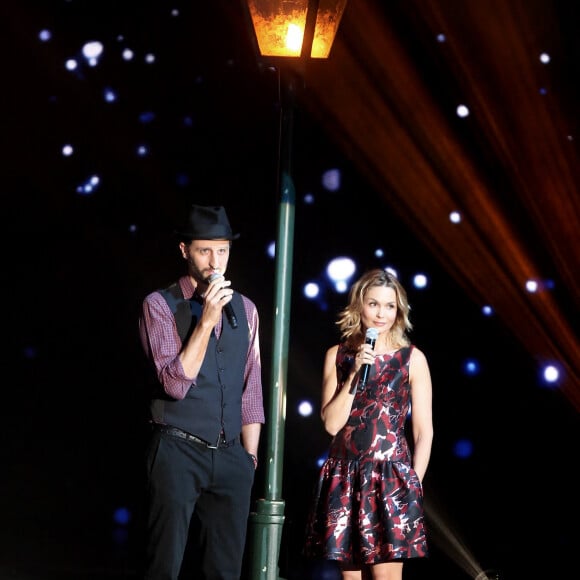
[372, 333]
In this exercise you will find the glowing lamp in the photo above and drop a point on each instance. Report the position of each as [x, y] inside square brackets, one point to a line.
[295, 28]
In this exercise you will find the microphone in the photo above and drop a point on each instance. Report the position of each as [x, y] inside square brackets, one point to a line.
[370, 338]
[230, 314]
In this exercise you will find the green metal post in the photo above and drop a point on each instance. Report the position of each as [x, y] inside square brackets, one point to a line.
[268, 519]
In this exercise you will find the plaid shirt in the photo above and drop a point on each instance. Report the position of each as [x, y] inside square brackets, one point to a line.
[162, 345]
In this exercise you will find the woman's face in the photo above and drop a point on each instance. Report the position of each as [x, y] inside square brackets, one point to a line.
[379, 308]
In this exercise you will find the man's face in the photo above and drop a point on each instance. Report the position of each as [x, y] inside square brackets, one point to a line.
[206, 257]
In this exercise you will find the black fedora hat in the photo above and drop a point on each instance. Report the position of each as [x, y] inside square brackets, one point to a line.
[206, 223]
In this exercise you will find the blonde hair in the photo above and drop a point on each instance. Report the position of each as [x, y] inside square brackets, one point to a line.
[349, 319]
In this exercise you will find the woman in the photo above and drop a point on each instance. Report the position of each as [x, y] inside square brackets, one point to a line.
[368, 510]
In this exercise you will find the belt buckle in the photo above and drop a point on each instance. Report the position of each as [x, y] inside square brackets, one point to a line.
[221, 442]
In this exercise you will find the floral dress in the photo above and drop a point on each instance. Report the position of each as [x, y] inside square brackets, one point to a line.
[368, 503]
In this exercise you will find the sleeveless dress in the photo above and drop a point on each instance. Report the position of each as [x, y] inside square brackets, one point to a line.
[368, 502]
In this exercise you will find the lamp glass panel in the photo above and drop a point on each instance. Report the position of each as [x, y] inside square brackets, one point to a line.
[279, 26]
[327, 21]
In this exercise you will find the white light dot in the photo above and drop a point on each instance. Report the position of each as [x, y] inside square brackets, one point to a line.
[311, 290]
[45, 35]
[487, 310]
[462, 111]
[340, 269]
[305, 408]
[455, 217]
[551, 374]
[420, 281]
[110, 95]
[92, 50]
[532, 286]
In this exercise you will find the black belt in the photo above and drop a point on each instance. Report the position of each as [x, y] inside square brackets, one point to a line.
[175, 432]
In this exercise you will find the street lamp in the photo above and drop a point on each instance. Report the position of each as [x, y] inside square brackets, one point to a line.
[295, 28]
[284, 32]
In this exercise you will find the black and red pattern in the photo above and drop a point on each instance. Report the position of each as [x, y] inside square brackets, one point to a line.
[368, 504]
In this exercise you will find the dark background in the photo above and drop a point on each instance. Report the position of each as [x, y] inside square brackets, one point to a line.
[80, 264]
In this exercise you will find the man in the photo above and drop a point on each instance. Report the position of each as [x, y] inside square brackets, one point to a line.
[207, 409]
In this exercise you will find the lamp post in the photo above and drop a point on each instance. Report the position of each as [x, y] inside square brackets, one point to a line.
[283, 31]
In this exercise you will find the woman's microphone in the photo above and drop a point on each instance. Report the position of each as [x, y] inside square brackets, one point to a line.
[370, 338]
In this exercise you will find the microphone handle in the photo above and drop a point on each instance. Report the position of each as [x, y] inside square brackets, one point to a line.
[364, 375]
[364, 372]
[231, 315]
[366, 368]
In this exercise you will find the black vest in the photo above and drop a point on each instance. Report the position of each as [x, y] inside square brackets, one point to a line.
[214, 404]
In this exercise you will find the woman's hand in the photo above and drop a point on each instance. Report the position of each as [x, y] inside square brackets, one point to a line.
[364, 356]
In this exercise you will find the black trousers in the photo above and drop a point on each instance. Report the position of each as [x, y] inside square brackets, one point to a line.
[184, 477]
